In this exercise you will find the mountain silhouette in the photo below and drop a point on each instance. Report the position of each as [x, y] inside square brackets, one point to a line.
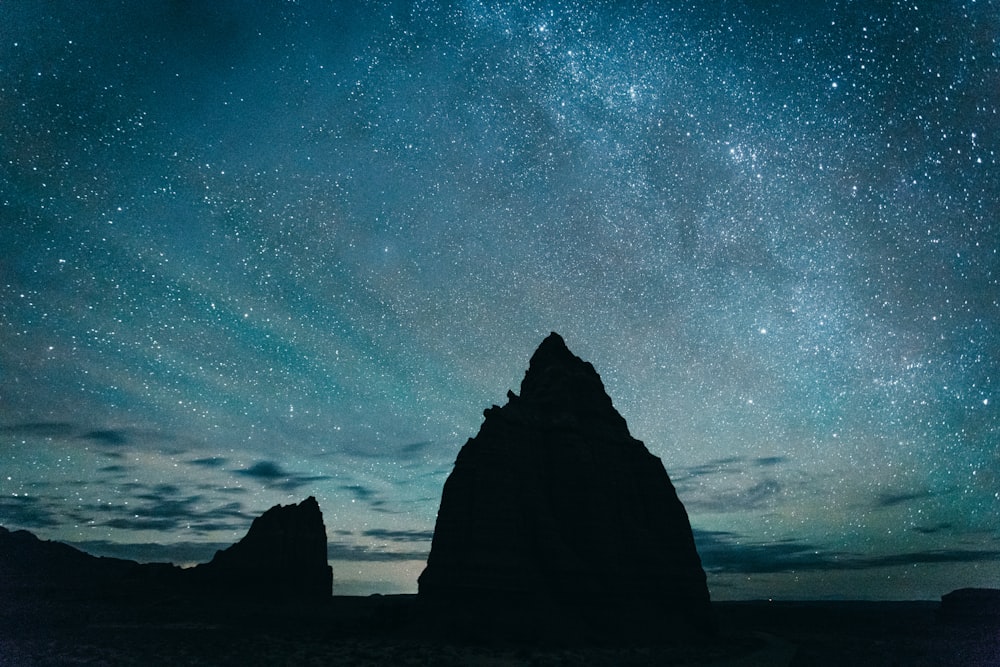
[30, 566]
[283, 556]
[556, 520]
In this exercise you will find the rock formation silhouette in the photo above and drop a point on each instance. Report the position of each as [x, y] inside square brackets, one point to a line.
[41, 568]
[971, 605]
[556, 520]
[283, 556]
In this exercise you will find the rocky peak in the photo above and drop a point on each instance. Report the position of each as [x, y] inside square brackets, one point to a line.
[282, 555]
[559, 383]
[554, 500]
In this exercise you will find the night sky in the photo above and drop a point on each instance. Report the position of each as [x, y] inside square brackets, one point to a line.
[256, 251]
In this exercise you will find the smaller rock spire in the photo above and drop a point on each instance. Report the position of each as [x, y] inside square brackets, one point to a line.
[282, 555]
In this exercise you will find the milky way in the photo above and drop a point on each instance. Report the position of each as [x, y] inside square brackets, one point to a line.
[259, 251]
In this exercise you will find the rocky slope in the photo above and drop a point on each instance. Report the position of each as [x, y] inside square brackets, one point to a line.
[556, 520]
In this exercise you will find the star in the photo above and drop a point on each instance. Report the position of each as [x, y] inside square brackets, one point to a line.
[255, 254]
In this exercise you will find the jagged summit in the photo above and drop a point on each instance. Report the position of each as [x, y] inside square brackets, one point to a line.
[555, 506]
[559, 383]
[282, 555]
[553, 348]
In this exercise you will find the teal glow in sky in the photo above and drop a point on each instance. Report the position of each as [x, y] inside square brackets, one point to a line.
[259, 251]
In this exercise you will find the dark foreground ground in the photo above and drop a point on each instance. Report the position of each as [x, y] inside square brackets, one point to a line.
[379, 631]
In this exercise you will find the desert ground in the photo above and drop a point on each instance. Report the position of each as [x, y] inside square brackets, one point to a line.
[380, 631]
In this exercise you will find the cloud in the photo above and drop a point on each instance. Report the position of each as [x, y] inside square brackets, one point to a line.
[370, 497]
[358, 491]
[728, 465]
[143, 523]
[209, 462]
[713, 467]
[266, 470]
[355, 552]
[893, 499]
[165, 508]
[26, 512]
[414, 449]
[115, 437]
[930, 530]
[153, 552]
[159, 490]
[400, 535]
[109, 438]
[724, 552]
[41, 429]
[752, 497]
[768, 461]
[756, 495]
[161, 513]
[270, 474]
[931, 556]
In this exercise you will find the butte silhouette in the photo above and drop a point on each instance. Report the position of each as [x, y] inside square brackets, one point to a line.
[556, 523]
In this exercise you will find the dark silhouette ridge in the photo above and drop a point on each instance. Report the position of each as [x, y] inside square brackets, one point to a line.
[971, 605]
[555, 521]
[31, 566]
[283, 556]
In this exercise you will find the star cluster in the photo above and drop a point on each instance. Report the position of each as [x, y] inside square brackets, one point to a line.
[256, 251]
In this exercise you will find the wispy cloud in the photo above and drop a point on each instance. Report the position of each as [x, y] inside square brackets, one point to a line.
[753, 497]
[141, 522]
[900, 498]
[263, 470]
[53, 429]
[113, 437]
[26, 512]
[166, 508]
[271, 474]
[107, 438]
[345, 551]
[768, 461]
[400, 535]
[359, 491]
[152, 552]
[930, 530]
[406, 453]
[414, 449]
[730, 464]
[724, 552]
[932, 556]
[727, 552]
[375, 500]
[209, 462]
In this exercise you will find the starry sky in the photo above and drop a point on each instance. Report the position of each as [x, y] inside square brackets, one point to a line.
[256, 251]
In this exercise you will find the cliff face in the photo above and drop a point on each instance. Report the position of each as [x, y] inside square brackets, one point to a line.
[282, 555]
[555, 505]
